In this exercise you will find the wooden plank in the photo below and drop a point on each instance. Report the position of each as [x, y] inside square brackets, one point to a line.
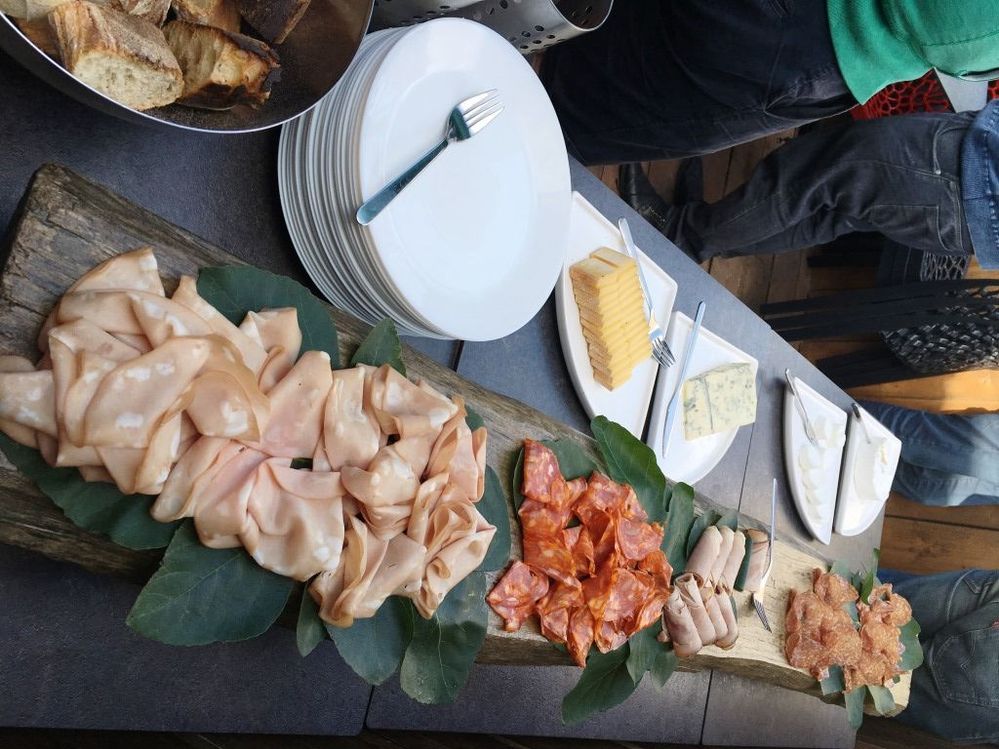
[972, 516]
[975, 390]
[68, 225]
[924, 547]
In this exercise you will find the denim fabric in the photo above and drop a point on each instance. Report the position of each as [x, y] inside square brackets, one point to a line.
[955, 694]
[898, 176]
[665, 79]
[980, 184]
[947, 459]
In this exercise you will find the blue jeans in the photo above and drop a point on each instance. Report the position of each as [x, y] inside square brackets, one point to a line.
[955, 693]
[947, 459]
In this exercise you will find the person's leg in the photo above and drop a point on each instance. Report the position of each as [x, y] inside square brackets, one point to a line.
[941, 488]
[897, 176]
[658, 81]
[955, 693]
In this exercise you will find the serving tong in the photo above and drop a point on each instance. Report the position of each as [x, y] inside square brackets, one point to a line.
[757, 596]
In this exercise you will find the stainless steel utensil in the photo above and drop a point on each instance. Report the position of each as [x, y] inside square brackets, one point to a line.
[758, 596]
[313, 58]
[799, 404]
[468, 118]
[657, 336]
[674, 401]
[863, 422]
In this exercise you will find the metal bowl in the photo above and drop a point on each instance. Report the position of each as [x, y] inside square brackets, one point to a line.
[313, 58]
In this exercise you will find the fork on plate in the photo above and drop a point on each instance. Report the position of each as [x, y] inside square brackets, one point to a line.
[657, 336]
[469, 117]
[757, 596]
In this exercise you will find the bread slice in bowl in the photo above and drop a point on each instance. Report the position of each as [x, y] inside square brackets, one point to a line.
[29, 10]
[273, 19]
[40, 34]
[222, 14]
[221, 69]
[124, 57]
[154, 11]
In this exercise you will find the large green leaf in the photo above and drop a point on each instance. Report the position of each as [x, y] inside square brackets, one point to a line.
[310, 630]
[236, 290]
[374, 647]
[912, 656]
[740, 578]
[573, 462]
[664, 667]
[440, 655]
[642, 651]
[380, 346]
[494, 508]
[855, 706]
[201, 595]
[884, 702]
[679, 519]
[93, 506]
[708, 517]
[473, 420]
[605, 683]
[631, 461]
[834, 683]
[729, 520]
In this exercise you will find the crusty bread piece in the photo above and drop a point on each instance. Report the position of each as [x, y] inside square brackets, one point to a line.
[40, 34]
[28, 10]
[154, 11]
[122, 56]
[221, 69]
[273, 19]
[222, 14]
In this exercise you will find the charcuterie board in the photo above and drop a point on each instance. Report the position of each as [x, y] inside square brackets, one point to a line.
[66, 225]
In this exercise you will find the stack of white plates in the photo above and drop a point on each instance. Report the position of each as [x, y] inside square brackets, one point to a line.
[472, 248]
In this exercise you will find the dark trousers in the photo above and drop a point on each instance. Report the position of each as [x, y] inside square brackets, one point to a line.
[898, 176]
[666, 79]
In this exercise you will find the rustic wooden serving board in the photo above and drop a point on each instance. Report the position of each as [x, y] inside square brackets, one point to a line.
[67, 225]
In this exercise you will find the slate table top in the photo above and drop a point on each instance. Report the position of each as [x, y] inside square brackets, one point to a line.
[67, 658]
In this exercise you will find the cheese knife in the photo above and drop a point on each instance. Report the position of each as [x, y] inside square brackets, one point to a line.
[674, 402]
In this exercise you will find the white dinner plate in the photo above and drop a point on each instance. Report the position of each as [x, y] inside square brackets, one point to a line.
[857, 506]
[817, 511]
[690, 461]
[627, 404]
[475, 243]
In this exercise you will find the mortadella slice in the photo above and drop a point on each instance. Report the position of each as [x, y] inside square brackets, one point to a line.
[175, 501]
[19, 433]
[296, 409]
[727, 540]
[221, 497]
[130, 271]
[162, 319]
[394, 397]
[734, 561]
[702, 558]
[351, 436]
[278, 333]
[28, 399]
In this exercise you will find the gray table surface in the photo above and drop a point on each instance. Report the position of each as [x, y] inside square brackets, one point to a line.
[68, 660]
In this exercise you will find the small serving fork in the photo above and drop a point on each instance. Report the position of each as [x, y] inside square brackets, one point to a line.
[468, 118]
[657, 336]
[758, 596]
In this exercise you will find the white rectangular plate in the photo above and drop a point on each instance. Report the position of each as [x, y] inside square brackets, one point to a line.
[818, 519]
[854, 513]
[628, 404]
[691, 461]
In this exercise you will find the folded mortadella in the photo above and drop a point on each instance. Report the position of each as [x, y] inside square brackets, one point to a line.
[727, 539]
[133, 271]
[297, 405]
[703, 557]
[351, 436]
[734, 562]
[690, 593]
[277, 332]
[28, 399]
[727, 605]
[680, 626]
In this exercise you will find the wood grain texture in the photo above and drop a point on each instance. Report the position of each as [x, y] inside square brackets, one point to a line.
[67, 225]
[925, 547]
[971, 516]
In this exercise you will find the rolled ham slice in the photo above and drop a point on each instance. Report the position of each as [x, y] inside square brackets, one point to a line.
[727, 539]
[690, 593]
[680, 626]
[757, 559]
[727, 606]
[703, 557]
[734, 562]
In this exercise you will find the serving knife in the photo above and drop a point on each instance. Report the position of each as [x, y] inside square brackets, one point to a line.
[674, 402]
[809, 432]
[863, 422]
[758, 600]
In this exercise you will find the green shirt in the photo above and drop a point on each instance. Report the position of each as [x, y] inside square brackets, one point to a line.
[879, 42]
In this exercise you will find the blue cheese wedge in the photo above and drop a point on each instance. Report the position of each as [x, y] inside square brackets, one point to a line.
[718, 400]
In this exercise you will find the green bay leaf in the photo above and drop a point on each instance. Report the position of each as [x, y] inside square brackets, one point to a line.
[310, 630]
[604, 683]
[440, 655]
[631, 461]
[708, 517]
[855, 706]
[374, 647]
[381, 346]
[642, 651]
[236, 290]
[496, 511]
[841, 568]
[679, 519]
[473, 420]
[912, 655]
[94, 506]
[201, 595]
[834, 683]
[729, 520]
[884, 702]
[664, 667]
[740, 578]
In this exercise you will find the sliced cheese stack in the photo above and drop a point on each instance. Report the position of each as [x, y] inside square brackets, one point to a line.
[719, 400]
[612, 314]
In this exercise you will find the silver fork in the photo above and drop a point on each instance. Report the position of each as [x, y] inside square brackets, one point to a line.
[657, 336]
[758, 599]
[468, 118]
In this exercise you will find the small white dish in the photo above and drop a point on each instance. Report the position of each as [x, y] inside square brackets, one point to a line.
[867, 476]
[690, 461]
[627, 404]
[814, 472]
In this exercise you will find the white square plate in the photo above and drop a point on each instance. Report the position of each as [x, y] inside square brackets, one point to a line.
[854, 511]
